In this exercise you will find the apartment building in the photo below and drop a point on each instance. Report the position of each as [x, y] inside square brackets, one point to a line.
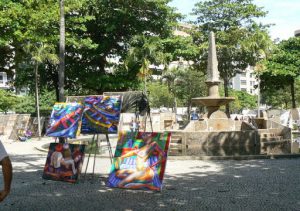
[245, 81]
[4, 80]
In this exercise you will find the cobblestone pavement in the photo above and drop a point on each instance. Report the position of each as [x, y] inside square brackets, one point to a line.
[188, 185]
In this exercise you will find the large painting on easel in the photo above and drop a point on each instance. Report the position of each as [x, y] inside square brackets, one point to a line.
[101, 114]
[64, 162]
[65, 120]
[140, 160]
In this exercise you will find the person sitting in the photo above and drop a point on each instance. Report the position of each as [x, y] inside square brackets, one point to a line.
[25, 135]
[7, 172]
[194, 116]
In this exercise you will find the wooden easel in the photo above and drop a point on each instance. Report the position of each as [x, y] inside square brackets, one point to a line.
[95, 142]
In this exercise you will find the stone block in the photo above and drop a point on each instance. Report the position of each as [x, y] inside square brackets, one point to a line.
[295, 147]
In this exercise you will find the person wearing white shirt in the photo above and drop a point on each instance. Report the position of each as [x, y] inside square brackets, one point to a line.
[7, 172]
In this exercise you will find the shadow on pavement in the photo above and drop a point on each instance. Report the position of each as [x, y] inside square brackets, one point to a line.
[236, 185]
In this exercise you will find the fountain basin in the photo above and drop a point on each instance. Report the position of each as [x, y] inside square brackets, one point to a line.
[212, 101]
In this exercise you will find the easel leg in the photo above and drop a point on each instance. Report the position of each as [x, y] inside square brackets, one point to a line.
[87, 164]
[109, 148]
[95, 153]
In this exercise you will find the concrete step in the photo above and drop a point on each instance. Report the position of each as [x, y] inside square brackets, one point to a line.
[271, 139]
[176, 139]
[267, 135]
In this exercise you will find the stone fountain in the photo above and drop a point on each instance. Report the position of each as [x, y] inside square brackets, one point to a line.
[218, 135]
[213, 101]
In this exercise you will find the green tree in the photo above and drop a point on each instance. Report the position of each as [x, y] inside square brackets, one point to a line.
[190, 85]
[243, 100]
[112, 29]
[98, 35]
[282, 68]
[39, 54]
[277, 98]
[143, 52]
[8, 101]
[159, 95]
[170, 78]
[37, 22]
[62, 46]
[26, 104]
[240, 40]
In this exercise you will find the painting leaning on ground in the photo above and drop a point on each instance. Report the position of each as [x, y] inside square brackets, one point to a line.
[140, 160]
[64, 162]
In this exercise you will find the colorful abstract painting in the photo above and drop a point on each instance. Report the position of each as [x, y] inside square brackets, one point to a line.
[101, 114]
[65, 120]
[64, 162]
[140, 160]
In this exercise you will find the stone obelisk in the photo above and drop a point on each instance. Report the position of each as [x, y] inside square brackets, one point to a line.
[213, 101]
[212, 79]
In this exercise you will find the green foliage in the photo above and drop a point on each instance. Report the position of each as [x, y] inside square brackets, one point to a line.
[189, 83]
[285, 61]
[145, 50]
[179, 47]
[240, 40]
[7, 101]
[27, 103]
[97, 32]
[159, 95]
[277, 98]
[280, 97]
[243, 100]
[112, 29]
[281, 69]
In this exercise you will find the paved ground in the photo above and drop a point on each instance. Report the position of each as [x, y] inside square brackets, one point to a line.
[188, 185]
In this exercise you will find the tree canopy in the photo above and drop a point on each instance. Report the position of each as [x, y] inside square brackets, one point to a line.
[8, 101]
[98, 38]
[282, 67]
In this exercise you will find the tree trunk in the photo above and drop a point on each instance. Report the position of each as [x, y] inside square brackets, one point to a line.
[145, 84]
[293, 93]
[226, 93]
[61, 72]
[175, 108]
[37, 106]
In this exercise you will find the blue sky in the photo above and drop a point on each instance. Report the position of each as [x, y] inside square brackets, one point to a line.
[285, 14]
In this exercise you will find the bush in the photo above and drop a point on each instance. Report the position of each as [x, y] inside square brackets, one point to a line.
[8, 101]
[27, 103]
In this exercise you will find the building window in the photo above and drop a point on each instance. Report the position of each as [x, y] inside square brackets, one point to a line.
[243, 74]
[243, 82]
[243, 89]
[1, 78]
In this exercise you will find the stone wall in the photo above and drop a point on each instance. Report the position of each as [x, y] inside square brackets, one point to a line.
[215, 143]
[12, 124]
[213, 125]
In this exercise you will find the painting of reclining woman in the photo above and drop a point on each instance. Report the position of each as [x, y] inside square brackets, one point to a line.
[65, 120]
[140, 161]
[64, 162]
[101, 114]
